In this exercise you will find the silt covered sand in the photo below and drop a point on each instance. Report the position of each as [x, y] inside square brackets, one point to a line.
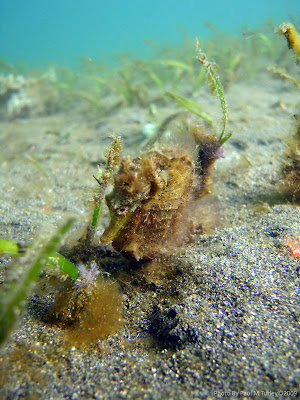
[225, 318]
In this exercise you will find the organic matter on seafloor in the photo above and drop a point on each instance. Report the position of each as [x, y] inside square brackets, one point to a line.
[291, 165]
[153, 205]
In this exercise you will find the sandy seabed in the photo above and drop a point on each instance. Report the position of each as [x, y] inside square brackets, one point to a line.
[228, 324]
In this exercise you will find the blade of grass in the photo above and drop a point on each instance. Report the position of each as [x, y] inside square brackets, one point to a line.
[105, 178]
[10, 247]
[199, 80]
[92, 100]
[151, 73]
[172, 63]
[42, 169]
[13, 300]
[217, 88]
[190, 105]
[57, 260]
[268, 43]
[96, 214]
[283, 75]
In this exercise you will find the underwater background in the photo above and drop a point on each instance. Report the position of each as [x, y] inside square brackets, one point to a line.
[149, 199]
[43, 32]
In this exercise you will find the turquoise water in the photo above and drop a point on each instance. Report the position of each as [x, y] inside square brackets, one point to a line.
[41, 32]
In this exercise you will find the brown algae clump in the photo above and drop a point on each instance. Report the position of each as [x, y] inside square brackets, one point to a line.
[153, 205]
[292, 37]
[291, 166]
[155, 202]
[100, 316]
[90, 309]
